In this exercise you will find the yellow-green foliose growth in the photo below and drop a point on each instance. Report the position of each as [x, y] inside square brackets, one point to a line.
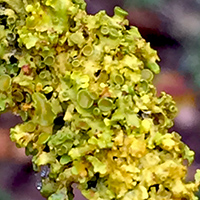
[83, 87]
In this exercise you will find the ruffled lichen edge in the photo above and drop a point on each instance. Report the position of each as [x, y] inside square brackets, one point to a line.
[82, 84]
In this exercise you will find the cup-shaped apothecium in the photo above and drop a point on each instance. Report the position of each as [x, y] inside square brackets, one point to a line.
[83, 87]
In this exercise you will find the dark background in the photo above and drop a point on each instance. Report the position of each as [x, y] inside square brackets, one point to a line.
[173, 29]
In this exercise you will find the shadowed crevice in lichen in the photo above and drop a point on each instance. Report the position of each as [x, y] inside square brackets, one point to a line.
[82, 85]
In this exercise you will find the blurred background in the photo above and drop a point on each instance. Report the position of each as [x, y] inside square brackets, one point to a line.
[173, 29]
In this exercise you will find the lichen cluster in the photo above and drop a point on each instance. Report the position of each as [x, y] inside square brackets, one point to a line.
[82, 85]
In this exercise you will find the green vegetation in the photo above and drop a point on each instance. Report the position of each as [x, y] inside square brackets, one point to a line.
[82, 84]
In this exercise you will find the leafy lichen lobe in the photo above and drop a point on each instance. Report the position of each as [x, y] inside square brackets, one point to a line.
[83, 86]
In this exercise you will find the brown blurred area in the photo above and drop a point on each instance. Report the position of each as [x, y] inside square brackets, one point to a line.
[8, 150]
[166, 30]
[17, 179]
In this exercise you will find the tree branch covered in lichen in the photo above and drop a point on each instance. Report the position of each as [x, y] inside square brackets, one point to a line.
[82, 84]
